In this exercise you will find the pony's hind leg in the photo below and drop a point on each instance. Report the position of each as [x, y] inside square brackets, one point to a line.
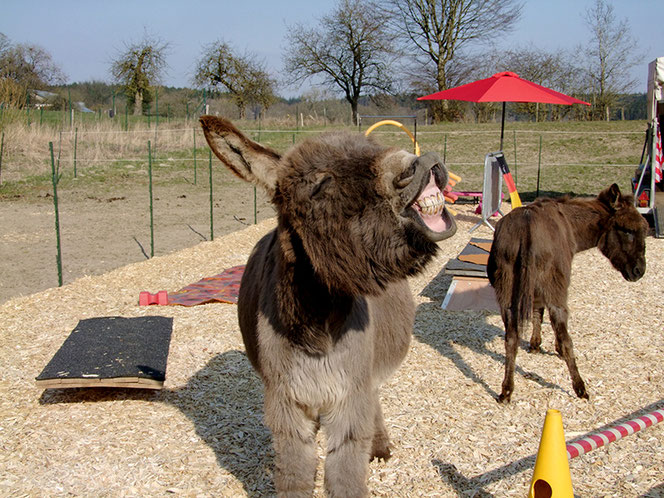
[565, 348]
[536, 337]
[511, 345]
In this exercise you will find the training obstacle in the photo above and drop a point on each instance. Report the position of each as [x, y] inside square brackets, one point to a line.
[111, 351]
[594, 441]
[551, 476]
[146, 298]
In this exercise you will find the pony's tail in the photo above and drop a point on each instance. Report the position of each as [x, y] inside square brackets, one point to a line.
[523, 285]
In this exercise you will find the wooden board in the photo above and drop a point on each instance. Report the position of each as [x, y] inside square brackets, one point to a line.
[471, 262]
[658, 215]
[112, 352]
[477, 259]
[483, 244]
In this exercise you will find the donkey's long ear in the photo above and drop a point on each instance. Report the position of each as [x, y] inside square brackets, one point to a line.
[611, 197]
[244, 157]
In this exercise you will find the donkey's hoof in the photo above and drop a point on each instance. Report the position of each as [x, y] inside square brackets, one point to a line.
[504, 398]
[380, 448]
[382, 454]
[581, 391]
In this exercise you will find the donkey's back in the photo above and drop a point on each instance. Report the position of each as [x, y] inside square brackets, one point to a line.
[531, 257]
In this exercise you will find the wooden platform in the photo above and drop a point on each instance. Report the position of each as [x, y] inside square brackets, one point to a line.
[470, 294]
[471, 262]
[112, 352]
[470, 288]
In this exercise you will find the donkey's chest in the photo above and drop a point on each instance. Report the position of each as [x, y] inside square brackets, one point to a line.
[316, 380]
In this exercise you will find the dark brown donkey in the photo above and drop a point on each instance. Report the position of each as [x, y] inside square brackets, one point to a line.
[531, 261]
[325, 310]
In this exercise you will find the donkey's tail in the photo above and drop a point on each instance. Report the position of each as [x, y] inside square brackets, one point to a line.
[523, 284]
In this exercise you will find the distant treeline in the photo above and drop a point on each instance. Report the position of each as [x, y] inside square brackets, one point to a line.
[102, 98]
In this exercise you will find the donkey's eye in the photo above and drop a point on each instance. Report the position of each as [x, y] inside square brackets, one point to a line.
[320, 186]
[406, 177]
[626, 233]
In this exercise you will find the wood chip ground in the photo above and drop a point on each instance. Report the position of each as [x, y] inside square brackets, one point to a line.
[203, 434]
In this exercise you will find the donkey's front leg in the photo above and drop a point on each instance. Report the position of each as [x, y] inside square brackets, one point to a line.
[380, 446]
[558, 317]
[294, 440]
[350, 432]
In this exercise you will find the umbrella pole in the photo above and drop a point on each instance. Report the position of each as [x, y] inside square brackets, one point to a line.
[502, 127]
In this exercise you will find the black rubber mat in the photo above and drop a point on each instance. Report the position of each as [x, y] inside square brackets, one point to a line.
[113, 352]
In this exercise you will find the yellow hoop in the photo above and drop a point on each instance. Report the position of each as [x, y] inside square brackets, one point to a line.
[398, 125]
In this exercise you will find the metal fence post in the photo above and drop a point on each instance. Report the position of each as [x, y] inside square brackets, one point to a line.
[55, 178]
[194, 130]
[151, 204]
[75, 147]
[211, 210]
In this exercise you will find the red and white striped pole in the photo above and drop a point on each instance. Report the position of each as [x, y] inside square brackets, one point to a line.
[659, 156]
[620, 431]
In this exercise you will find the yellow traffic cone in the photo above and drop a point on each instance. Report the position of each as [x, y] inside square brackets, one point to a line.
[551, 477]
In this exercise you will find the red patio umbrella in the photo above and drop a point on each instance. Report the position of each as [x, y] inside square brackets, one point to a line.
[504, 87]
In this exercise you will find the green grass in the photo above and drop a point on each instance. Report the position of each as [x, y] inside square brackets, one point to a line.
[576, 157]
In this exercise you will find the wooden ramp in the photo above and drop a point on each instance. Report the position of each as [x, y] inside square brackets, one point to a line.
[470, 288]
[112, 352]
[470, 293]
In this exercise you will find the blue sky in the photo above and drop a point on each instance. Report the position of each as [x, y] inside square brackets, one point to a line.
[83, 36]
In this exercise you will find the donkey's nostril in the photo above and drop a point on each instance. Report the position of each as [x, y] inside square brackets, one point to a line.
[637, 272]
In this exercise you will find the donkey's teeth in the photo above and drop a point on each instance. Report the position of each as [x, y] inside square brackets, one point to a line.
[433, 204]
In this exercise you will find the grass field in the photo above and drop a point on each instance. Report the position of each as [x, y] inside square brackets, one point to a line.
[571, 157]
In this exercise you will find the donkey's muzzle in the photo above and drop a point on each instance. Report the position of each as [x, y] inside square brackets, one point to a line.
[634, 273]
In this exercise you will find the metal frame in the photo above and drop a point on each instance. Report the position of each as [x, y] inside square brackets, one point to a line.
[491, 189]
[647, 162]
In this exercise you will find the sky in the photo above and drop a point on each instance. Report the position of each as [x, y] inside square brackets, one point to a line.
[84, 36]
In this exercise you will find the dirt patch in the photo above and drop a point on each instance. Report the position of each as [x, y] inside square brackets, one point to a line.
[108, 226]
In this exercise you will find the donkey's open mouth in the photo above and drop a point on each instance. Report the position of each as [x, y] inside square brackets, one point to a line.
[429, 207]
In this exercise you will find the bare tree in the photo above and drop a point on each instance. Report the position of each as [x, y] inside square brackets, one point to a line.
[350, 50]
[243, 76]
[611, 55]
[5, 44]
[554, 70]
[138, 68]
[437, 33]
[24, 67]
[28, 64]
